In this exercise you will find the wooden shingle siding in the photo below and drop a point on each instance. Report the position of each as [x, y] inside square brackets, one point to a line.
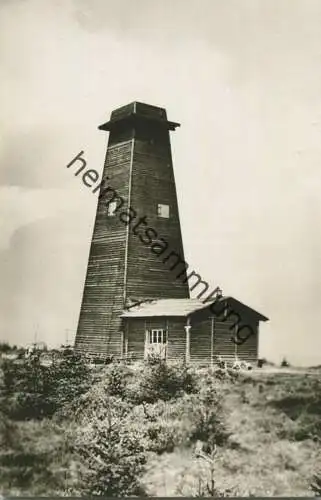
[155, 323]
[135, 334]
[200, 347]
[176, 339]
[249, 350]
[152, 183]
[223, 345]
[99, 323]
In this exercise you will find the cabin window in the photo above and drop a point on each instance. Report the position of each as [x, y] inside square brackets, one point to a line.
[163, 211]
[111, 208]
[157, 336]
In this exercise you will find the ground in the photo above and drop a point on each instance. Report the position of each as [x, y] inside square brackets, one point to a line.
[275, 422]
[147, 420]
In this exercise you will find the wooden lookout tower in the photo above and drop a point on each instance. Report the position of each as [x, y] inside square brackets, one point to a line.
[137, 205]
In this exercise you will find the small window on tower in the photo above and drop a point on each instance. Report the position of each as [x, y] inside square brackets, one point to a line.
[163, 211]
[111, 208]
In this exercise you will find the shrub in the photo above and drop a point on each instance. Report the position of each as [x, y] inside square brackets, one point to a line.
[31, 390]
[5, 347]
[26, 389]
[117, 377]
[71, 376]
[207, 416]
[112, 457]
[94, 404]
[185, 420]
[161, 436]
[160, 380]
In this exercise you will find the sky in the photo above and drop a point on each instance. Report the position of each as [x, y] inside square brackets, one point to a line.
[243, 77]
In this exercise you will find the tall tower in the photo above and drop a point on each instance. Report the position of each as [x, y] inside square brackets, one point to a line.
[136, 250]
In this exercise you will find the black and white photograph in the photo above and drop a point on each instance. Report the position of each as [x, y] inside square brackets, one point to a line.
[160, 243]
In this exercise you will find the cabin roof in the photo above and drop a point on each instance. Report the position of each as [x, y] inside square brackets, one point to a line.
[181, 307]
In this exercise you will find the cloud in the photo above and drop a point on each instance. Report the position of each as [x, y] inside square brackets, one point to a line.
[43, 271]
[20, 207]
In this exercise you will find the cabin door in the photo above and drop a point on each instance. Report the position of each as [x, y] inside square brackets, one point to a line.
[156, 343]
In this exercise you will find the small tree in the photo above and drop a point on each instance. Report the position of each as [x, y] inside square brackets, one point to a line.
[284, 363]
[207, 419]
[160, 380]
[5, 347]
[31, 390]
[69, 377]
[112, 456]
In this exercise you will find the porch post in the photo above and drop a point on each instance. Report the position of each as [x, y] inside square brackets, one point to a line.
[122, 344]
[166, 344]
[235, 343]
[212, 339]
[146, 341]
[188, 339]
[126, 340]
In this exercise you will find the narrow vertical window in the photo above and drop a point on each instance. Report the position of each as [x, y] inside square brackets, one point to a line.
[111, 208]
[163, 211]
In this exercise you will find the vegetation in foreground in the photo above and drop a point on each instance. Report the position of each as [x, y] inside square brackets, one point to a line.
[156, 430]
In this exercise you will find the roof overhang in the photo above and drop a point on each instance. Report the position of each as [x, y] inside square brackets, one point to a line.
[185, 307]
[133, 119]
[139, 113]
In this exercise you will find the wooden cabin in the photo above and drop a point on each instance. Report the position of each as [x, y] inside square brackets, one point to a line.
[191, 331]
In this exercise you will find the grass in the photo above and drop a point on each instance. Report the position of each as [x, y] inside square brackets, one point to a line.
[264, 426]
[274, 448]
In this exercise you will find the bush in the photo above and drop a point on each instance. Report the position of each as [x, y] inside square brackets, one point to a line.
[162, 436]
[30, 390]
[284, 363]
[112, 457]
[185, 420]
[26, 389]
[207, 416]
[70, 377]
[5, 347]
[160, 380]
[94, 404]
[117, 377]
